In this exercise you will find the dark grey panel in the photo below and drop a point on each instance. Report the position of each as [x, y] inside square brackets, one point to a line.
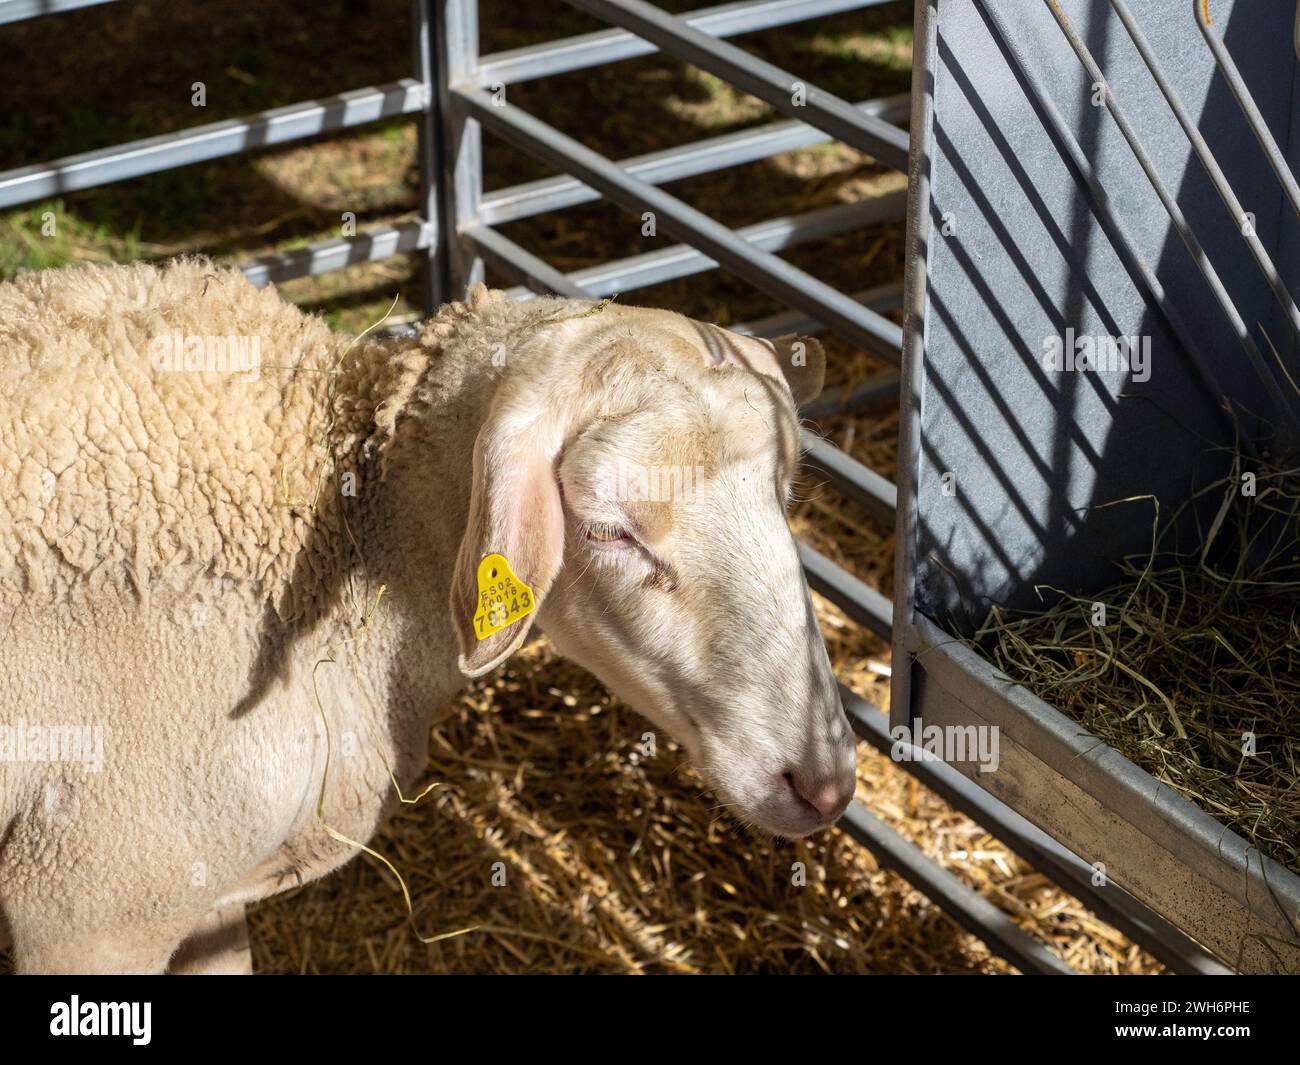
[1032, 452]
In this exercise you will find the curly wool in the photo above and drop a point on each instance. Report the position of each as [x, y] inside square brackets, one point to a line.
[124, 474]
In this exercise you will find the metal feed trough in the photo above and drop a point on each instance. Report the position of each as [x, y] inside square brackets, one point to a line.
[455, 94]
[1104, 167]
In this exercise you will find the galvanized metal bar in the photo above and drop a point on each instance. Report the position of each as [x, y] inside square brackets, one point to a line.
[1211, 166]
[1114, 905]
[1284, 407]
[369, 246]
[876, 391]
[762, 269]
[609, 46]
[509, 258]
[457, 58]
[773, 235]
[658, 168]
[19, 10]
[859, 601]
[963, 904]
[212, 141]
[788, 94]
[880, 298]
[430, 153]
[1222, 57]
[911, 387]
[881, 389]
[876, 495]
[1116, 231]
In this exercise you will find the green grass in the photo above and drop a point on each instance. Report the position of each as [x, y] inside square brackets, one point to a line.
[45, 235]
[136, 81]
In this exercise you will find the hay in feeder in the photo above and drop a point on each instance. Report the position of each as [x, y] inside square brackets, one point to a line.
[1189, 665]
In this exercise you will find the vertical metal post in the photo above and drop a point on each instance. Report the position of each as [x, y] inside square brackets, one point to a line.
[925, 61]
[457, 59]
[435, 286]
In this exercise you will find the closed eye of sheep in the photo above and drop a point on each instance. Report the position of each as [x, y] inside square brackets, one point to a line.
[205, 489]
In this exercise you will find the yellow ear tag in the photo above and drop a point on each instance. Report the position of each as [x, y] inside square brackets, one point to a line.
[502, 597]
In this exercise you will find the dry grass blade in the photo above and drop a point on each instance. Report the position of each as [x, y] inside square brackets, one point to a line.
[1189, 665]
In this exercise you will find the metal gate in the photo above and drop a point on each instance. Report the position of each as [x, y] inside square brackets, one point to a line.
[455, 94]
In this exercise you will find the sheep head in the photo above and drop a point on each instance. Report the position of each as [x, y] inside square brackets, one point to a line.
[634, 470]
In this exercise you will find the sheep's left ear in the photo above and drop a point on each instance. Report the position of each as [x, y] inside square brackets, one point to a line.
[798, 361]
[515, 511]
[803, 365]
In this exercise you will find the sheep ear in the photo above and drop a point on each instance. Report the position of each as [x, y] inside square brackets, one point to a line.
[514, 511]
[798, 361]
[803, 365]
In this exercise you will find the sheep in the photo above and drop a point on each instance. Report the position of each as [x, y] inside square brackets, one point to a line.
[221, 562]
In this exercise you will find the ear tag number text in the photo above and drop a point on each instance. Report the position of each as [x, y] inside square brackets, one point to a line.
[502, 597]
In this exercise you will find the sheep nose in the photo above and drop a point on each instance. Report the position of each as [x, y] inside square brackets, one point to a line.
[829, 798]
